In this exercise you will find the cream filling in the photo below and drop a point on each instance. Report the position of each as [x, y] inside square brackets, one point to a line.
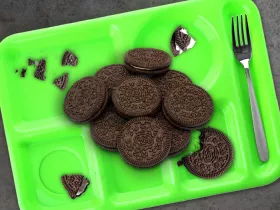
[83, 186]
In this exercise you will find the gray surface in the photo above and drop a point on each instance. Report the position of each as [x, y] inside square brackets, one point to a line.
[31, 14]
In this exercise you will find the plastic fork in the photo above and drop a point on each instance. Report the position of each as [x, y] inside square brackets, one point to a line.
[243, 52]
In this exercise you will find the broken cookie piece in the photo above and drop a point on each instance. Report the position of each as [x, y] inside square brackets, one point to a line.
[69, 59]
[61, 82]
[75, 185]
[40, 71]
[181, 41]
[213, 159]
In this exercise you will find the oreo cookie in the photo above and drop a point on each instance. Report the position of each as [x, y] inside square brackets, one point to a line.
[61, 82]
[41, 69]
[106, 129]
[75, 185]
[69, 59]
[188, 107]
[112, 75]
[86, 100]
[147, 61]
[214, 158]
[179, 138]
[170, 80]
[135, 97]
[144, 142]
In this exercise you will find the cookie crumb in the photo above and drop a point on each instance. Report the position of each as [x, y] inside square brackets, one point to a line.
[23, 73]
[30, 62]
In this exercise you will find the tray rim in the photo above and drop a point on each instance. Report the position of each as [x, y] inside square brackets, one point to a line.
[10, 39]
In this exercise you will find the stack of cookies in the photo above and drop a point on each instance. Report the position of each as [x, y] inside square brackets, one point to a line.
[146, 112]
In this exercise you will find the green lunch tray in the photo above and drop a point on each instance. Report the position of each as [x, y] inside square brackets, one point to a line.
[43, 144]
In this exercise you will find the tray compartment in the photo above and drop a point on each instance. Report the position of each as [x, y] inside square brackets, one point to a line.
[127, 182]
[48, 156]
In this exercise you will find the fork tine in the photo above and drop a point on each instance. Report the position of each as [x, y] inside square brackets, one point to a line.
[238, 35]
[242, 30]
[247, 31]
[233, 34]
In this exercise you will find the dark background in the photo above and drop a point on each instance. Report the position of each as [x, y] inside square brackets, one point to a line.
[23, 15]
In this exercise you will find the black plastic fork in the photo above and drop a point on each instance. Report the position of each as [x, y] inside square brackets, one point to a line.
[242, 48]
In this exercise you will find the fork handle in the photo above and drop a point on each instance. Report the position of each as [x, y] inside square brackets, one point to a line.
[257, 121]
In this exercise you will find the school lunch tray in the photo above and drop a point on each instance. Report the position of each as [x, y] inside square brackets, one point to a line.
[43, 144]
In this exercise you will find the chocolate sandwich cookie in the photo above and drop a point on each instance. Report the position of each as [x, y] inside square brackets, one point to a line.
[135, 97]
[61, 82]
[106, 129]
[170, 80]
[144, 142]
[75, 185]
[69, 59]
[179, 138]
[147, 61]
[214, 158]
[86, 100]
[188, 107]
[112, 75]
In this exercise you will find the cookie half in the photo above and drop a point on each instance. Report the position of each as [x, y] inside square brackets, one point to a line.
[147, 61]
[144, 142]
[214, 158]
[86, 100]
[136, 96]
[188, 107]
[106, 129]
